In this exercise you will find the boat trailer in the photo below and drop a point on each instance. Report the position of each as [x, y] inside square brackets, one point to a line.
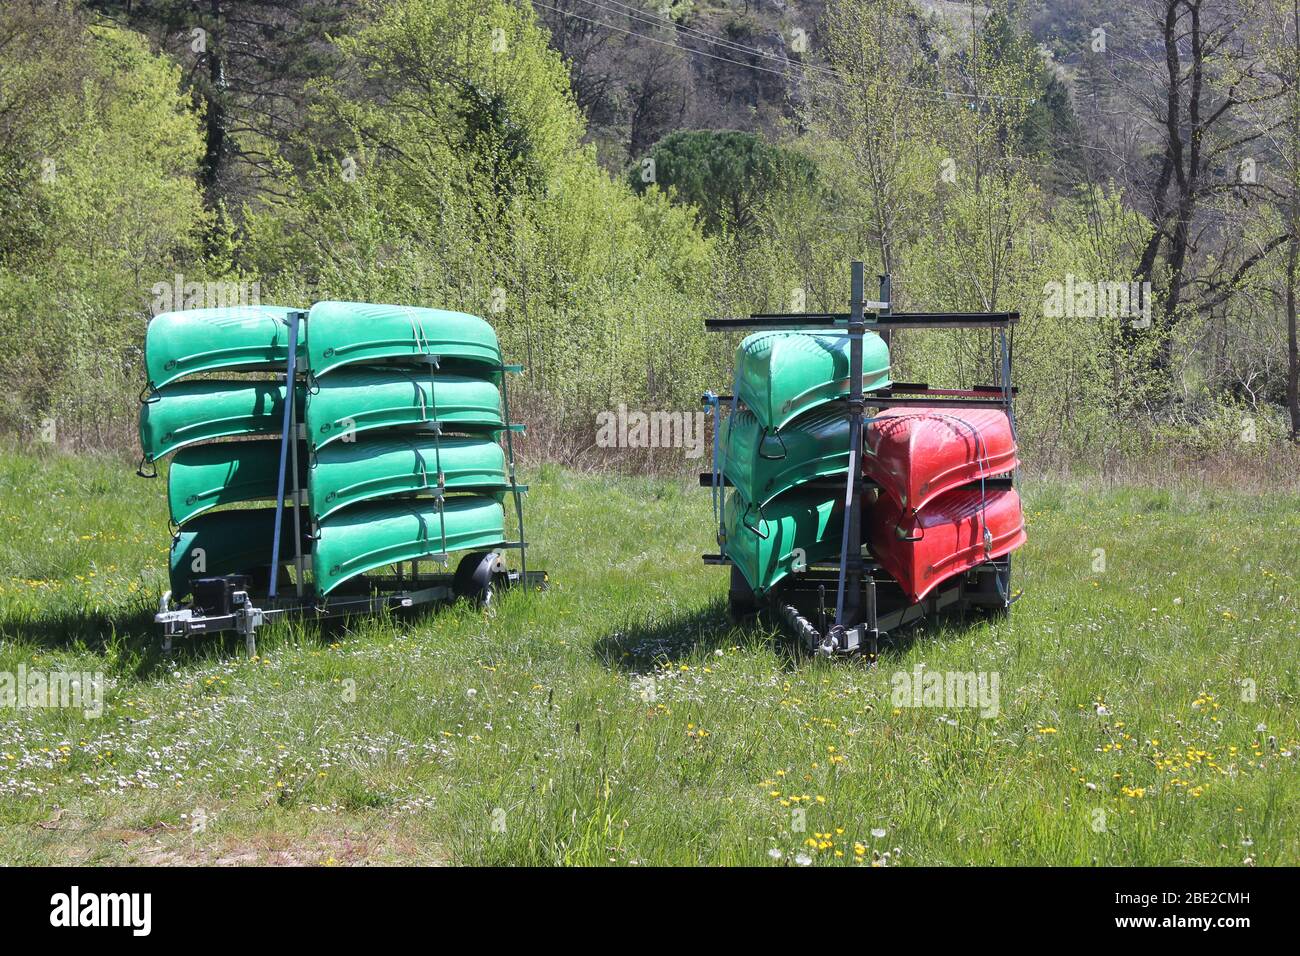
[866, 603]
[244, 602]
[233, 603]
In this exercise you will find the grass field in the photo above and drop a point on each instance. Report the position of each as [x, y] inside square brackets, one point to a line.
[1147, 711]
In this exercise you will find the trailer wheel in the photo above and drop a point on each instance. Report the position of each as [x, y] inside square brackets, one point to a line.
[741, 602]
[476, 577]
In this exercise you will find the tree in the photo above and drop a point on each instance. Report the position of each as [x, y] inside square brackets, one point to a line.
[31, 79]
[105, 154]
[879, 55]
[725, 174]
[1200, 83]
[594, 55]
[248, 65]
[1277, 23]
[657, 95]
[452, 174]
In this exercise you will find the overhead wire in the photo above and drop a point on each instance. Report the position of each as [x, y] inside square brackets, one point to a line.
[649, 19]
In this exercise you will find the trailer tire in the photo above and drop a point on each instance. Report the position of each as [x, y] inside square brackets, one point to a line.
[476, 577]
[741, 602]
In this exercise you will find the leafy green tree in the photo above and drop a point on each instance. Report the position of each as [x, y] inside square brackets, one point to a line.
[725, 174]
[247, 64]
[105, 174]
[1277, 121]
[448, 169]
[1047, 126]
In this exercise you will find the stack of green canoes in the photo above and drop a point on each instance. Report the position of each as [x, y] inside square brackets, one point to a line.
[405, 461]
[398, 451]
[785, 434]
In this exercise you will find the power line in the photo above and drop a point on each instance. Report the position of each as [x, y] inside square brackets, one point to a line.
[642, 36]
[730, 46]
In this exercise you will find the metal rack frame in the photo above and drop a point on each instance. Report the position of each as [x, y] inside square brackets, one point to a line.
[366, 593]
[858, 584]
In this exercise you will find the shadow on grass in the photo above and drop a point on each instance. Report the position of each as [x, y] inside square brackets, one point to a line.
[640, 646]
[97, 631]
[936, 628]
[126, 639]
[131, 643]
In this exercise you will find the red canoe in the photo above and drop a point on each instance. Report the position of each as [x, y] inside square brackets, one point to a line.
[917, 454]
[947, 538]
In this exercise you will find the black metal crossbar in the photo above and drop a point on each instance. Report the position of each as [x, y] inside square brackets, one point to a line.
[876, 320]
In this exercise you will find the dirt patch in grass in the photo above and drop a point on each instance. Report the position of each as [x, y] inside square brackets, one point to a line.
[382, 844]
[370, 842]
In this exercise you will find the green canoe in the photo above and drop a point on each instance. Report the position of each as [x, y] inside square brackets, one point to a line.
[377, 466]
[799, 528]
[379, 533]
[225, 473]
[205, 340]
[187, 412]
[763, 464]
[228, 542]
[347, 333]
[781, 375]
[356, 400]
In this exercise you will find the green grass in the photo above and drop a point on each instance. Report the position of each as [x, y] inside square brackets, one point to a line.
[525, 737]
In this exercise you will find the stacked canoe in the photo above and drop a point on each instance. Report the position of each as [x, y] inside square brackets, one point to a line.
[933, 518]
[937, 516]
[399, 410]
[402, 421]
[785, 433]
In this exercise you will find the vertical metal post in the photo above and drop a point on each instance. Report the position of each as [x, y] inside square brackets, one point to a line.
[849, 598]
[871, 632]
[514, 485]
[294, 427]
[286, 436]
[873, 617]
[440, 491]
